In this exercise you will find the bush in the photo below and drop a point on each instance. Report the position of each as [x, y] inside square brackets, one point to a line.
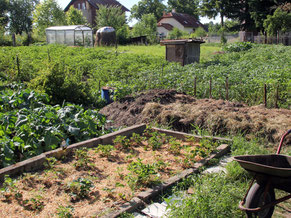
[238, 47]
[199, 32]
[177, 34]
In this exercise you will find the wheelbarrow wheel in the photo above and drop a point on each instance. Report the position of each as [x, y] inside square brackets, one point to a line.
[255, 198]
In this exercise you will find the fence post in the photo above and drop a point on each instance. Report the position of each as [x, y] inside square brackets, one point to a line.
[265, 95]
[226, 87]
[195, 87]
[210, 88]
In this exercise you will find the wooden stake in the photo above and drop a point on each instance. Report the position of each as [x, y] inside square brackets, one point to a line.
[210, 88]
[48, 54]
[265, 95]
[195, 87]
[18, 66]
[277, 96]
[226, 87]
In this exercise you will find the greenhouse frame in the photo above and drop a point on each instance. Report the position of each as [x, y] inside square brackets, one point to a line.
[77, 35]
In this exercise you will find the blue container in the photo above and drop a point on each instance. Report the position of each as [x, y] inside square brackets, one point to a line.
[105, 94]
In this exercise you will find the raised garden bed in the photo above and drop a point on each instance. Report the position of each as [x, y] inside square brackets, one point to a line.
[99, 176]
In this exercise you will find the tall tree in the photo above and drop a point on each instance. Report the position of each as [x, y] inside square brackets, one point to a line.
[20, 15]
[190, 7]
[112, 16]
[75, 17]
[47, 13]
[259, 10]
[146, 26]
[213, 8]
[155, 7]
[3, 13]
[280, 21]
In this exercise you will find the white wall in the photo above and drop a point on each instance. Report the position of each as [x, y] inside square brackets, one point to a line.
[163, 31]
[176, 24]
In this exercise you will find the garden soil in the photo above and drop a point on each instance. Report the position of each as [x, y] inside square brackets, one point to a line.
[183, 113]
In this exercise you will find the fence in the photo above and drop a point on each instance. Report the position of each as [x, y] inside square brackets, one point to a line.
[216, 39]
[285, 40]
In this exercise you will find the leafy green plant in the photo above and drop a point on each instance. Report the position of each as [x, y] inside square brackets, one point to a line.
[9, 189]
[105, 150]
[121, 142]
[34, 204]
[156, 140]
[79, 189]
[65, 212]
[50, 162]
[174, 146]
[137, 139]
[82, 158]
[141, 174]
[238, 47]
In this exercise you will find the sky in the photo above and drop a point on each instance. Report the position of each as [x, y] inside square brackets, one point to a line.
[128, 4]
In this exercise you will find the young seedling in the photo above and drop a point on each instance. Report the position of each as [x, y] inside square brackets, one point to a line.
[105, 150]
[121, 142]
[65, 212]
[141, 174]
[82, 158]
[79, 189]
[174, 146]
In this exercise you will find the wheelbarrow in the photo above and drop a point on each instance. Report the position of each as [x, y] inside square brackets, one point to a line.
[270, 172]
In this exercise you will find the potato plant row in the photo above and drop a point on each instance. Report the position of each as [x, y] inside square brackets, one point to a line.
[75, 74]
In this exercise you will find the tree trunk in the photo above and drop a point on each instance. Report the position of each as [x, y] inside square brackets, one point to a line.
[222, 40]
[13, 39]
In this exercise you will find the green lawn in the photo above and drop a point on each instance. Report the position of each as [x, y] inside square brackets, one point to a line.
[207, 50]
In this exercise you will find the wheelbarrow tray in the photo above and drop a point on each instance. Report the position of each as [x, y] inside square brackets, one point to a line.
[275, 169]
[274, 165]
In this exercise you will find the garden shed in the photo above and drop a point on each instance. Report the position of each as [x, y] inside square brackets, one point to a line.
[184, 51]
[77, 35]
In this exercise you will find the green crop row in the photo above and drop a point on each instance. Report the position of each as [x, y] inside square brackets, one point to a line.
[74, 74]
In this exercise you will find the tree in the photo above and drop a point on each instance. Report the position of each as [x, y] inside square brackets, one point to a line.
[155, 7]
[147, 26]
[112, 16]
[75, 17]
[280, 21]
[3, 13]
[190, 7]
[20, 15]
[213, 8]
[259, 10]
[47, 13]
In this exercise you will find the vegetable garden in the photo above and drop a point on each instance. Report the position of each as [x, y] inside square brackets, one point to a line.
[95, 180]
[74, 74]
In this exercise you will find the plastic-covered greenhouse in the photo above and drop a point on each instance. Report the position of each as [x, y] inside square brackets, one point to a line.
[70, 35]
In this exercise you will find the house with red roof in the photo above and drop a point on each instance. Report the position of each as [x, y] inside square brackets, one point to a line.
[89, 7]
[184, 22]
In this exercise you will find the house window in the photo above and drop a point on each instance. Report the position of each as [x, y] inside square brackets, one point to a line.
[84, 6]
[79, 6]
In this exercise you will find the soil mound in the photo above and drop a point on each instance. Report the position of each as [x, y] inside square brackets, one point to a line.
[184, 112]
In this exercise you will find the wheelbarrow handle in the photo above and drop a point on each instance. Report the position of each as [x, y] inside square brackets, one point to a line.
[282, 139]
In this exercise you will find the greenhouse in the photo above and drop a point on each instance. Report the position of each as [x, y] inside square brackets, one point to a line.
[70, 35]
